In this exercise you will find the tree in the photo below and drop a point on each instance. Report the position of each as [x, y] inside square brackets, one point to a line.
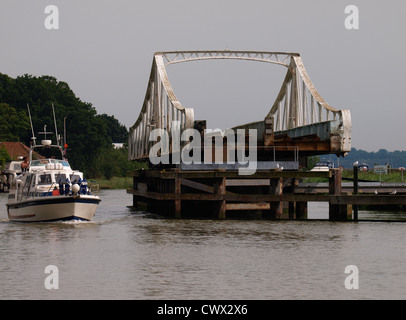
[87, 134]
[4, 157]
[13, 123]
[312, 161]
[115, 130]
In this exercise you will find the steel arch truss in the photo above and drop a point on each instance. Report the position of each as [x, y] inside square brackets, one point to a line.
[299, 104]
[297, 107]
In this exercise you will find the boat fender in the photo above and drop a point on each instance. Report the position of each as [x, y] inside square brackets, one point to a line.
[75, 188]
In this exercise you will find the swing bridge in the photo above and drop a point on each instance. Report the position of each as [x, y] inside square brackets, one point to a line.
[299, 124]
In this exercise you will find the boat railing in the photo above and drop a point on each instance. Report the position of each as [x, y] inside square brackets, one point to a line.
[51, 189]
[27, 192]
[94, 188]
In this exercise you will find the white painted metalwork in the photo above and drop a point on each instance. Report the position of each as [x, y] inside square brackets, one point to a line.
[160, 110]
[298, 103]
[282, 58]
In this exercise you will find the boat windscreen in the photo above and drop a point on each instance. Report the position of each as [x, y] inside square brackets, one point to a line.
[44, 179]
[36, 163]
[64, 163]
[75, 178]
[60, 177]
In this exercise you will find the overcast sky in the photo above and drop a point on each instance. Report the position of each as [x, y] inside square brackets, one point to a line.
[104, 49]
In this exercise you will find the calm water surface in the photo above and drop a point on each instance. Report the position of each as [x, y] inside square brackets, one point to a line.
[127, 255]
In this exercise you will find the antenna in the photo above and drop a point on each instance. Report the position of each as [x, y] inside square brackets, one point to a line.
[56, 129]
[45, 132]
[64, 131]
[32, 128]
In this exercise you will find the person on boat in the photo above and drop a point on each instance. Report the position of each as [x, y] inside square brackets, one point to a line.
[67, 187]
[61, 186]
[25, 165]
[55, 192]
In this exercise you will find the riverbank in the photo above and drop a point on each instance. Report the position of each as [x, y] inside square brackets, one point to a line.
[393, 175]
[114, 183]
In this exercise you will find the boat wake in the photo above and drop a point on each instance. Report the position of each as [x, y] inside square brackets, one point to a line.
[76, 222]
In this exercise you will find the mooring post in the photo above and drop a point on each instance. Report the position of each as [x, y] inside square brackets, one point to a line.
[135, 198]
[276, 207]
[301, 210]
[292, 204]
[337, 211]
[355, 191]
[221, 191]
[177, 201]
[297, 209]
[334, 189]
[292, 209]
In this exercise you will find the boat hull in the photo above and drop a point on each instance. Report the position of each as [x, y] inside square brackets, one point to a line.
[53, 209]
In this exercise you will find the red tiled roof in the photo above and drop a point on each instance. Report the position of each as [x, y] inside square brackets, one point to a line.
[18, 149]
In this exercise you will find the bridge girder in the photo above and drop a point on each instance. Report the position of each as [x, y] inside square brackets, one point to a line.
[298, 111]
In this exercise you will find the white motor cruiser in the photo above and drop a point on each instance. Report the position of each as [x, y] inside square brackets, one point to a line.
[51, 190]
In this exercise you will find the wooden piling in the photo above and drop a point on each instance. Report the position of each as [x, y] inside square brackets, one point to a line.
[275, 207]
[135, 198]
[226, 194]
[301, 210]
[292, 210]
[178, 201]
[337, 212]
[221, 191]
[355, 191]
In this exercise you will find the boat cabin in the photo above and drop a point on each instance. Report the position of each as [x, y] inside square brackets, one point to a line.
[46, 175]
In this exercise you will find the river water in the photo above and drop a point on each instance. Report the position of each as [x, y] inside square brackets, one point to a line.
[132, 255]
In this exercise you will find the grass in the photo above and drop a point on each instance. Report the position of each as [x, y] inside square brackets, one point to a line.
[114, 183]
[392, 176]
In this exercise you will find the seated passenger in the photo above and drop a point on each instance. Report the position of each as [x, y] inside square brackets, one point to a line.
[55, 192]
[25, 165]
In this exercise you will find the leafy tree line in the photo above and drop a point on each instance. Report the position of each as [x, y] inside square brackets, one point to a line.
[394, 159]
[89, 136]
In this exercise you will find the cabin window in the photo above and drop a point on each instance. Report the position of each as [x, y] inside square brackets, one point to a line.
[74, 178]
[44, 179]
[16, 167]
[60, 177]
[36, 163]
[64, 163]
[32, 181]
[28, 182]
